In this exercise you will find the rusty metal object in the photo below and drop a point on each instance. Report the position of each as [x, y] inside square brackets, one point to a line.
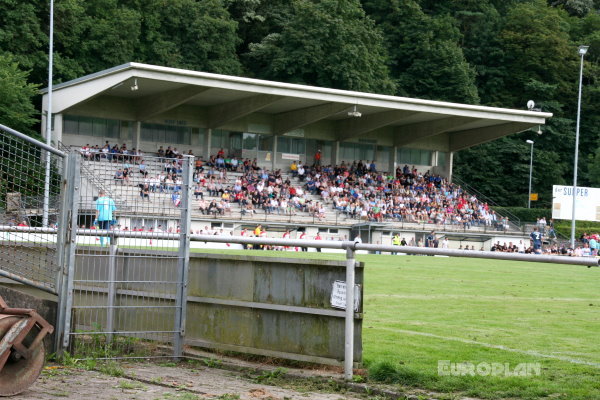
[22, 353]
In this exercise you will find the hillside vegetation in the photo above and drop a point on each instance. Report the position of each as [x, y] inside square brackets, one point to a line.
[490, 52]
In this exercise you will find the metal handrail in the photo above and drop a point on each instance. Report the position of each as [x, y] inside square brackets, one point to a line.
[33, 141]
[512, 218]
[323, 244]
[91, 176]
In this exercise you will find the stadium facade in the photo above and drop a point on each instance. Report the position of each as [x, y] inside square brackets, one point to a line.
[147, 106]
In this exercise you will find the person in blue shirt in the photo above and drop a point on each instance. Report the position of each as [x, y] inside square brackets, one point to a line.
[536, 239]
[105, 206]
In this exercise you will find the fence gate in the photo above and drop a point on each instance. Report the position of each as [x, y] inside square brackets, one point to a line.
[127, 292]
[30, 210]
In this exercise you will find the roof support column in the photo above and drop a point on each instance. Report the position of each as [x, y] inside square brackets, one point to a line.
[449, 164]
[137, 133]
[207, 144]
[335, 157]
[57, 130]
[393, 161]
[274, 155]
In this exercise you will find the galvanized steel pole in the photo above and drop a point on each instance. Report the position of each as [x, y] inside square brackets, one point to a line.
[349, 327]
[582, 51]
[46, 204]
[184, 256]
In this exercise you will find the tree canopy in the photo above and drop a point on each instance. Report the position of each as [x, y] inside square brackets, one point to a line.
[490, 52]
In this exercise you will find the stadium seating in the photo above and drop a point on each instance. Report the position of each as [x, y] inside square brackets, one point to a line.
[100, 174]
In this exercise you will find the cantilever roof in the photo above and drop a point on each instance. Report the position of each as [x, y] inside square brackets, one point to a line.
[292, 106]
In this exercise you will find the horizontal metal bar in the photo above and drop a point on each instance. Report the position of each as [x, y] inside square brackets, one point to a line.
[122, 357]
[275, 307]
[116, 333]
[263, 352]
[329, 244]
[26, 281]
[494, 255]
[32, 140]
[107, 307]
[127, 292]
[106, 281]
[208, 300]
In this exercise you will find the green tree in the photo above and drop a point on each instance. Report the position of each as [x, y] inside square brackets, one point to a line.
[91, 36]
[23, 33]
[425, 56]
[594, 169]
[574, 7]
[258, 18]
[16, 107]
[198, 35]
[328, 43]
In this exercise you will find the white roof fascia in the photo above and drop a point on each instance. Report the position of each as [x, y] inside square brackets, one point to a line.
[120, 73]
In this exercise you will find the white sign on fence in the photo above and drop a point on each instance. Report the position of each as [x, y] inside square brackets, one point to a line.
[338, 295]
[289, 156]
[587, 203]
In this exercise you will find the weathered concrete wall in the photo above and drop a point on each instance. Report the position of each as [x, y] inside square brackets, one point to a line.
[268, 305]
[261, 305]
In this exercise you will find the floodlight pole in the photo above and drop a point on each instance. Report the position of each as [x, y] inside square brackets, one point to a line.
[49, 119]
[530, 171]
[582, 50]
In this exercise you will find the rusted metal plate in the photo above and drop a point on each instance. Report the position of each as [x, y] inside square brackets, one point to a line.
[22, 354]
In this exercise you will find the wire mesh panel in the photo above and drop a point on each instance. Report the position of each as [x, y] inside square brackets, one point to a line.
[128, 272]
[29, 210]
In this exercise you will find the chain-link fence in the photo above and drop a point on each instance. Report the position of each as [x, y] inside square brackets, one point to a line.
[30, 210]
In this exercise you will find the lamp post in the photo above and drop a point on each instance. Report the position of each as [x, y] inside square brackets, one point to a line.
[582, 51]
[530, 171]
[48, 119]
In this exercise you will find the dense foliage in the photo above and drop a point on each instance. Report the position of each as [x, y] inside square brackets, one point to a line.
[490, 52]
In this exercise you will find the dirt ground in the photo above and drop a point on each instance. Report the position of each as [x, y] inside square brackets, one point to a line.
[169, 381]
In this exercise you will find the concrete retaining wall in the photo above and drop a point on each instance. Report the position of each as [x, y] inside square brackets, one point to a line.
[270, 306]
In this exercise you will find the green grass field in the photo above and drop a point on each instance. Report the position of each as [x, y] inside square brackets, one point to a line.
[419, 310]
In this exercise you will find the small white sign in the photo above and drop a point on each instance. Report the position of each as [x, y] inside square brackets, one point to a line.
[338, 295]
[289, 156]
[295, 133]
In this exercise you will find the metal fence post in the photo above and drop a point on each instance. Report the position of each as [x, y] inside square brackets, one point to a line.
[184, 257]
[349, 328]
[112, 290]
[68, 232]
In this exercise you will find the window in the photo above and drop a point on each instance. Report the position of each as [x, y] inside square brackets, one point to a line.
[297, 146]
[147, 223]
[414, 156]
[383, 157]
[165, 133]
[249, 141]
[283, 144]
[219, 139]
[265, 143]
[357, 151]
[100, 127]
[442, 156]
[290, 145]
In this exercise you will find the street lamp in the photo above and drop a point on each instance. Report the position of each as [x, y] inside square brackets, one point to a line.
[530, 171]
[582, 51]
[48, 119]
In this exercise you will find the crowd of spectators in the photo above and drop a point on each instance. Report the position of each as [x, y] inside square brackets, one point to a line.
[114, 153]
[360, 191]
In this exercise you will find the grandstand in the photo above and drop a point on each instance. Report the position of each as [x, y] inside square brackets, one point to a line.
[312, 212]
[273, 124]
